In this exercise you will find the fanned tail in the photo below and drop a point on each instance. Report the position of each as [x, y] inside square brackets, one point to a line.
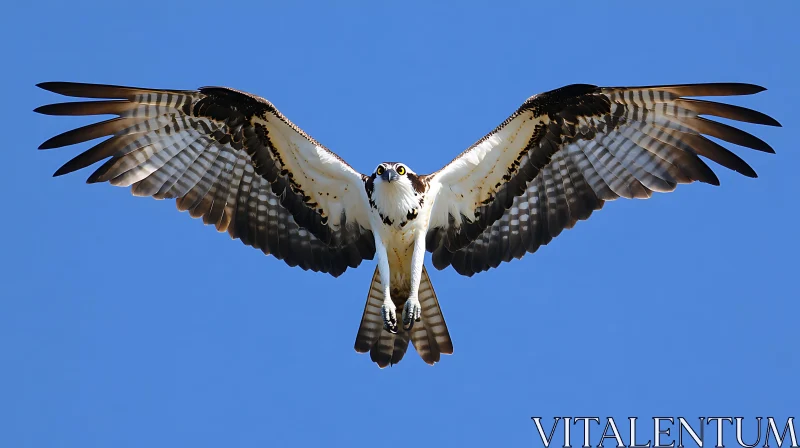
[429, 336]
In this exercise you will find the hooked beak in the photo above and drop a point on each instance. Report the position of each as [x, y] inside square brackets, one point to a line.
[390, 175]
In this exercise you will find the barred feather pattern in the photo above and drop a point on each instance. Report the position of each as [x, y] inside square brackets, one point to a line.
[430, 336]
[647, 140]
[160, 148]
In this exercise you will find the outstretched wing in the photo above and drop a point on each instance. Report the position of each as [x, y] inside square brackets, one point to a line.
[563, 153]
[231, 158]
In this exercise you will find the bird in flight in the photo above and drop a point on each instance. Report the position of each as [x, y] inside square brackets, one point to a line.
[232, 159]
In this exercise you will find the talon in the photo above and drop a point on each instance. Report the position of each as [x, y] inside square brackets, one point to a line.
[389, 318]
[412, 312]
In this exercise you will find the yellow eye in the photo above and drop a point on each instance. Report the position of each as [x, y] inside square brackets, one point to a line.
[401, 170]
[380, 170]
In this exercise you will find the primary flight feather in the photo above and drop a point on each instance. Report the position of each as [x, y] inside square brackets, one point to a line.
[233, 159]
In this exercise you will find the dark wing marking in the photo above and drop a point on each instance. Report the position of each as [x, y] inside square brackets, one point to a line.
[583, 145]
[231, 158]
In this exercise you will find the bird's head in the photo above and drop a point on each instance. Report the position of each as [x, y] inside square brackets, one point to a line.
[393, 173]
[397, 191]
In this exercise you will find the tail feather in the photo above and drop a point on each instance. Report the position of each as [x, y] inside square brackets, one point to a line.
[432, 338]
[389, 349]
[371, 321]
[429, 336]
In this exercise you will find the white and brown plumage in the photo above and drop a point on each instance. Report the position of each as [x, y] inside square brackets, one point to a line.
[233, 159]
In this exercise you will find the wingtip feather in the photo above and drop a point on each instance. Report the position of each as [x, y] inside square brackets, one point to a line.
[713, 180]
[65, 169]
[769, 121]
[47, 85]
[708, 89]
[49, 144]
[755, 88]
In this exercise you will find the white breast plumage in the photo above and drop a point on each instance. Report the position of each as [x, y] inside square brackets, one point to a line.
[396, 203]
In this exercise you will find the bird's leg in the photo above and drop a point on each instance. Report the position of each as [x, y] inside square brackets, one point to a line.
[412, 310]
[388, 312]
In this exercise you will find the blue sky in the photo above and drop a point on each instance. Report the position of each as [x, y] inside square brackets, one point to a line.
[124, 323]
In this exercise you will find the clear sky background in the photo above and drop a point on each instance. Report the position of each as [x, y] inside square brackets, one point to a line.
[124, 323]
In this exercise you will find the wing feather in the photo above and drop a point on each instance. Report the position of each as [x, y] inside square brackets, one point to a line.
[114, 107]
[229, 157]
[90, 132]
[505, 197]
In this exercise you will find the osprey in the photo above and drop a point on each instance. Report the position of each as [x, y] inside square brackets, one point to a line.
[232, 159]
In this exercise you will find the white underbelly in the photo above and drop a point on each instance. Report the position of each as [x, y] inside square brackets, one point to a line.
[399, 245]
